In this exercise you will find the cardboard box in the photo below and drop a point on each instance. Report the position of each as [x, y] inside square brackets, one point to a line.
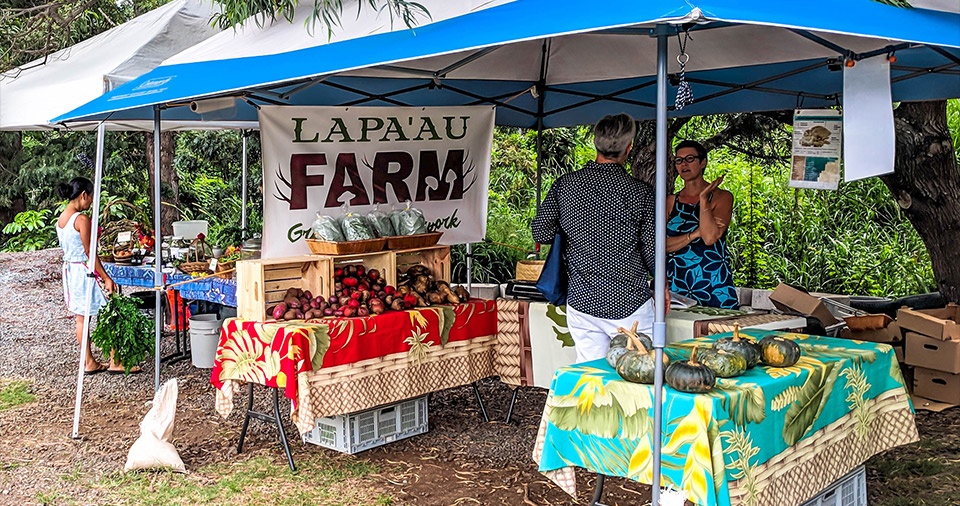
[890, 334]
[930, 353]
[788, 298]
[938, 323]
[936, 385]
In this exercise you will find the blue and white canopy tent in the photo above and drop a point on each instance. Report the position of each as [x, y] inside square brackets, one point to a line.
[546, 63]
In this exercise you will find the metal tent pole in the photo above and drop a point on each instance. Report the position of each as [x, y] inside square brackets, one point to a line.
[157, 274]
[91, 270]
[660, 276]
[243, 188]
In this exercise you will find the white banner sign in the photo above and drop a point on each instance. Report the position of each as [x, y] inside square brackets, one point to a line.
[317, 158]
[869, 143]
[816, 149]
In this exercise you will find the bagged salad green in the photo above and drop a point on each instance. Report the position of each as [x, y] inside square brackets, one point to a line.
[355, 226]
[380, 222]
[409, 220]
[327, 228]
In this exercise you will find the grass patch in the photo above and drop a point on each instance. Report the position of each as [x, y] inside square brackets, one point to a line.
[15, 393]
[257, 480]
[909, 468]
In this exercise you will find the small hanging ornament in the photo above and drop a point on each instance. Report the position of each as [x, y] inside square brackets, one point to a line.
[684, 92]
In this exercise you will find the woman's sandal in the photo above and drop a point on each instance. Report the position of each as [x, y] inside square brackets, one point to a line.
[134, 370]
[100, 368]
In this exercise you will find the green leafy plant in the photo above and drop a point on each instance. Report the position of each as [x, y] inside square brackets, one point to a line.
[121, 327]
[31, 230]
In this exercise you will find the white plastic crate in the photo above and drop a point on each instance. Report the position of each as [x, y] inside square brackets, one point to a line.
[363, 430]
[851, 490]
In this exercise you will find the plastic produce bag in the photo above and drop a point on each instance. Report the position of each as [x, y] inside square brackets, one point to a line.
[153, 448]
[409, 220]
[327, 228]
[380, 222]
[355, 226]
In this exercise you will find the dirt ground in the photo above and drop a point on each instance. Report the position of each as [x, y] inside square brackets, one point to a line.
[461, 460]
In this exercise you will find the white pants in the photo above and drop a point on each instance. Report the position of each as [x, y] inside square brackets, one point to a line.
[591, 335]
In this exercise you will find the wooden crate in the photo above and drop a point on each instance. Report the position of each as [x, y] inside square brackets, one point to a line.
[261, 283]
[436, 258]
[383, 261]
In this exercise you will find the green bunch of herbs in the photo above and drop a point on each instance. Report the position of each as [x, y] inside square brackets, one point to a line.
[124, 329]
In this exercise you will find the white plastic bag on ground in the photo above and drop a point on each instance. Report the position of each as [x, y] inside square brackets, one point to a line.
[153, 449]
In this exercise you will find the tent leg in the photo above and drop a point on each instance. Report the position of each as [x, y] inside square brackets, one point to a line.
[91, 270]
[243, 189]
[158, 238]
[660, 276]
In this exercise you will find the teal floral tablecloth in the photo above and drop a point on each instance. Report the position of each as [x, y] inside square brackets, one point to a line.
[774, 436]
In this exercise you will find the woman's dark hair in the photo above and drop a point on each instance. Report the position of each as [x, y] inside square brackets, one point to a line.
[701, 151]
[75, 187]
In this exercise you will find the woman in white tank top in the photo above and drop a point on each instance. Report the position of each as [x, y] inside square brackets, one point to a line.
[73, 232]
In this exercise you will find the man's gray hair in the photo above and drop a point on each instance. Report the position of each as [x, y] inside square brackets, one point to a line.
[613, 134]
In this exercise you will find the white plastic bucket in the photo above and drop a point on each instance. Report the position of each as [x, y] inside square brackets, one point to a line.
[204, 337]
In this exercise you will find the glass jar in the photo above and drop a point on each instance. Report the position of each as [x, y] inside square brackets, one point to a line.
[250, 249]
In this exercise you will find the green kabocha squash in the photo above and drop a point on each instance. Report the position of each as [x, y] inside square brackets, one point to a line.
[726, 364]
[690, 376]
[618, 344]
[637, 364]
[779, 352]
[742, 345]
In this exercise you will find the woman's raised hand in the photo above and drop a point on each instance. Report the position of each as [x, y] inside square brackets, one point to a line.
[707, 192]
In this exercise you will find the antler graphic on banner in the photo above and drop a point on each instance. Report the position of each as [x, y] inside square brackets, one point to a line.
[279, 194]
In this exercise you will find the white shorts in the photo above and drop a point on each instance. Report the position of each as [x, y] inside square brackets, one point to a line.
[591, 335]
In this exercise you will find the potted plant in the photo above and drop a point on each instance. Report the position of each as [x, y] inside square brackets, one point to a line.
[124, 330]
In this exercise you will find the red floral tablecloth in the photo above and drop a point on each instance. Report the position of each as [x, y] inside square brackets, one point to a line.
[273, 354]
[356, 339]
[280, 354]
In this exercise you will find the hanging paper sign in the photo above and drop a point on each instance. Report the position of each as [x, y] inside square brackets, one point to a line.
[123, 237]
[315, 159]
[817, 137]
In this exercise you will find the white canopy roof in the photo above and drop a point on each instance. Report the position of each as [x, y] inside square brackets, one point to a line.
[45, 88]
[357, 20]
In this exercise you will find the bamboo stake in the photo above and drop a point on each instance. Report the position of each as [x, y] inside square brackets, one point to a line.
[201, 278]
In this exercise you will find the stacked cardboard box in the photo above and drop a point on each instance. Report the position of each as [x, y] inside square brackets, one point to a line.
[933, 348]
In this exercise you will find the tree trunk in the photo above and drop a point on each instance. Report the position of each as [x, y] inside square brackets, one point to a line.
[926, 184]
[169, 182]
[643, 158]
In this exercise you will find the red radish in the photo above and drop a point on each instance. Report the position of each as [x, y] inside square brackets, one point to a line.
[354, 303]
[363, 286]
[409, 300]
[339, 272]
[360, 270]
[307, 294]
[373, 274]
[356, 295]
[328, 312]
[363, 312]
[350, 281]
[349, 311]
[390, 290]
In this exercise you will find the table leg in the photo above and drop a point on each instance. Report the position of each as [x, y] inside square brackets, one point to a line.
[598, 491]
[483, 410]
[180, 334]
[513, 402]
[263, 417]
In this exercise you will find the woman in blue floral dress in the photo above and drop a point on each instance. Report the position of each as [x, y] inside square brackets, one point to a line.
[698, 262]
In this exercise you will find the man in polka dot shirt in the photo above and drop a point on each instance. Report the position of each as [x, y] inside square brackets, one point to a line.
[607, 218]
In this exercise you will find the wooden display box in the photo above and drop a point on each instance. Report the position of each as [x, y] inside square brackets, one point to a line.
[383, 261]
[436, 258]
[261, 283]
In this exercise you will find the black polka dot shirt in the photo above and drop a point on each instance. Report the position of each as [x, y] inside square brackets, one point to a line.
[608, 219]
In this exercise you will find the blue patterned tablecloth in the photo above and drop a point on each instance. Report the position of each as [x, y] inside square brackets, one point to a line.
[771, 437]
[213, 289]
